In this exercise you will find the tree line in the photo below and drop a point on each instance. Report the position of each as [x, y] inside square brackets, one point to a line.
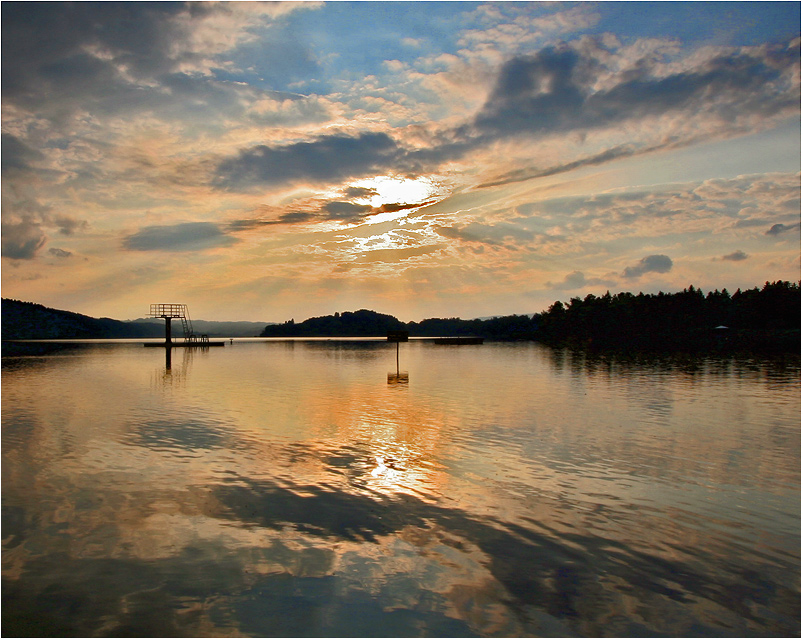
[766, 318]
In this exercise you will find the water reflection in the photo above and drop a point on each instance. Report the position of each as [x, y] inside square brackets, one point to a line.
[285, 489]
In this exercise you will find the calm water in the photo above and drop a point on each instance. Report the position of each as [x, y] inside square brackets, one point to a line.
[286, 488]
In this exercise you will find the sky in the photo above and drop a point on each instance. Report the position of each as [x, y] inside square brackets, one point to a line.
[269, 161]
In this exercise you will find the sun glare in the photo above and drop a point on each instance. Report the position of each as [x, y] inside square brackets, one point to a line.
[391, 190]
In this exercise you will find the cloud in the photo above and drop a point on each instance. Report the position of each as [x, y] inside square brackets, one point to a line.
[324, 159]
[346, 211]
[574, 87]
[520, 175]
[163, 58]
[67, 225]
[736, 256]
[14, 154]
[22, 239]
[313, 210]
[59, 253]
[394, 255]
[778, 229]
[523, 27]
[561, 89]
[496, 234]
[188, 236]
[573, 280]
[392, 207]
[360, 192]
[147, 39]
[577, 280]
[651, 264]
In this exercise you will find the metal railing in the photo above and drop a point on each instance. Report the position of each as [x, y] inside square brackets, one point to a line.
[168, 310]
[180, 311]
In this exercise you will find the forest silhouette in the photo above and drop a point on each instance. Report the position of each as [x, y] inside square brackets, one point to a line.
[765, 319]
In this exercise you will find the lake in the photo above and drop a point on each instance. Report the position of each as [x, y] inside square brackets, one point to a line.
[299, 488]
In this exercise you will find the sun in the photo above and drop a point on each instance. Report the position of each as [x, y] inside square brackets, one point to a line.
[395, 190]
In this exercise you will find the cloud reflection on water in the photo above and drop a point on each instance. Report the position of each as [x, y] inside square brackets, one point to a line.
[213, 508]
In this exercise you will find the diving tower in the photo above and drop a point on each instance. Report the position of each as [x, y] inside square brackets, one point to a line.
[170, 312]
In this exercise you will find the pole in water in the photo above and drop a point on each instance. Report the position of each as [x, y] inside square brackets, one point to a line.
[168, 357]
[397, 337]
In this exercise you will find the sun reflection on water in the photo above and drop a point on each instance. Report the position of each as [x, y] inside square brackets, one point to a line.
[500, 491]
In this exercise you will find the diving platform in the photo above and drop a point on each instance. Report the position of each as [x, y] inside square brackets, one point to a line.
[173, 311]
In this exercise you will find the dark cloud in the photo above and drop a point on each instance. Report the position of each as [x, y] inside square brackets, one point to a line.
[289, 217]
[67, 225]
[14, 154]
[188, 236]
[325, 159]
[736, 256]
[778, 229]
[651, 264]
[296, 217]
[59, 253]
[573, 280]
[392, 207]
[553, 90]
[346, 211]
[21, 239]
[520, 175]
[577, 280]
[45, 44]
[60, 58]
[534, 93]
[359, 192]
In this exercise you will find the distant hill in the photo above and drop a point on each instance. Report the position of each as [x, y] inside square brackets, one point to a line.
[216, 329]
[365, 323]
[350, 324]
[31, 321]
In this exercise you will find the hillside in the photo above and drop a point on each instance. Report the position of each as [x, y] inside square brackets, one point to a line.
[31, 321]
